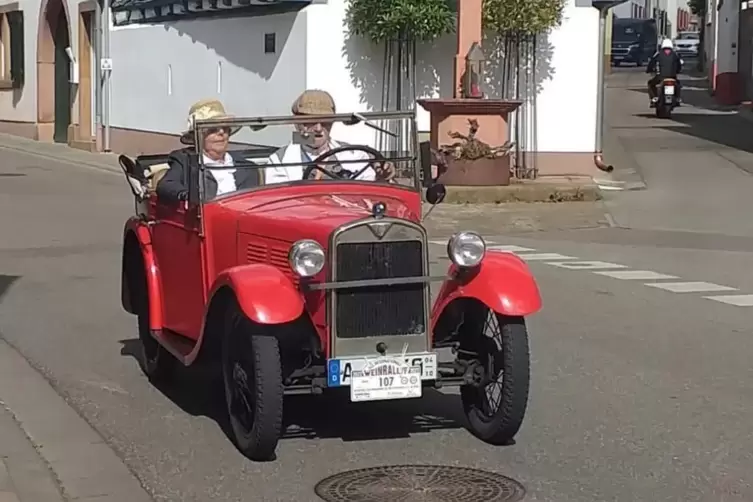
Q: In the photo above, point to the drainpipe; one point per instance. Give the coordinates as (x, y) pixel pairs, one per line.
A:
(598, 156)
(106, 75)
(98, 74)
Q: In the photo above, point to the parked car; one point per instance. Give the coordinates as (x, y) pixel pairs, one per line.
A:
(317, 286)
(633, 40)
(687, 44)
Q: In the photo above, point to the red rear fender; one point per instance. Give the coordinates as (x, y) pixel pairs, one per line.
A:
(503, 282)
(139, 265)
(264, 293)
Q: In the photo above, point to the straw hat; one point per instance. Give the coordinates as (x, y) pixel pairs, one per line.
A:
(314, 102)
(204, 110)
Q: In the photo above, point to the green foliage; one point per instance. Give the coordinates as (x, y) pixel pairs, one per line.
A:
(522, 17)
(697, 7)
(382, 20)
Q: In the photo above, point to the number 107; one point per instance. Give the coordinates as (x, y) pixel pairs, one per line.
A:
(386, 381)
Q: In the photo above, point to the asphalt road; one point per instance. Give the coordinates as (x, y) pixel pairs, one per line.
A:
(638, 393)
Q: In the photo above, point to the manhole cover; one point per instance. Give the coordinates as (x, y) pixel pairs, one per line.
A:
(427, 483)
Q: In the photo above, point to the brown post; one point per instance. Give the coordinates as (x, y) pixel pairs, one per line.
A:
(469, 31)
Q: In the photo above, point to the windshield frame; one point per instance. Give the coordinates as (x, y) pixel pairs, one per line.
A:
(258, 123)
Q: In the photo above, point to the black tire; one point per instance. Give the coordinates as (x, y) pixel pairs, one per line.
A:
(156, 362)
(511, 360)
(663, 111)
(254, 409)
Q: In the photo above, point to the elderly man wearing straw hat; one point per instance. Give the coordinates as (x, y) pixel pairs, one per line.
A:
(220, 176)
(317, 141)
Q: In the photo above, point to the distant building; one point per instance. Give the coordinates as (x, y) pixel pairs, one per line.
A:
(255, 56)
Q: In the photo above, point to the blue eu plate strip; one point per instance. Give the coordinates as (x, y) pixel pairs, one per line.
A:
(333, 373)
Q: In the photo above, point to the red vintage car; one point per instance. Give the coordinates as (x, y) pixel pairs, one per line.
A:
(315, 285)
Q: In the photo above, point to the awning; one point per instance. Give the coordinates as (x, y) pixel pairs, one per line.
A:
(152, 11)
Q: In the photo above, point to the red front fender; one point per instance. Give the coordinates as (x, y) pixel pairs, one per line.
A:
(264, 293)
(503, 282)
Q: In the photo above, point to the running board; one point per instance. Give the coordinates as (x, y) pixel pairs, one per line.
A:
(178, 345)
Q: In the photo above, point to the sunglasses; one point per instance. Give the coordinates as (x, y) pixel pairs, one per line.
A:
(215, 130)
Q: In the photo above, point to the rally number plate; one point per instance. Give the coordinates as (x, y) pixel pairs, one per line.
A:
(386, 384)
(379, 378)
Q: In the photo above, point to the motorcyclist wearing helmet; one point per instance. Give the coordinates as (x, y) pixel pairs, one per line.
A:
(665, 63)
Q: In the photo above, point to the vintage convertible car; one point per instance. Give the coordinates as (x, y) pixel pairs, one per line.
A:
(314, 286)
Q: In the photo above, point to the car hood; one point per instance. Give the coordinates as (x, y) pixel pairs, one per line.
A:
(314, 216)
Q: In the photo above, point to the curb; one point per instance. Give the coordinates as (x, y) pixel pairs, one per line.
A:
(84, 465)
(620, 185)
(61, 153)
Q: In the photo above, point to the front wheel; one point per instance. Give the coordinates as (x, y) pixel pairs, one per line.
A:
(496, 405)
(252, 375)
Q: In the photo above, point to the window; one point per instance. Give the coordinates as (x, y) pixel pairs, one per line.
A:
(11, 49)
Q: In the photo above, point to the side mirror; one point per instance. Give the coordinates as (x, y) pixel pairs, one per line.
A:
(435, 193)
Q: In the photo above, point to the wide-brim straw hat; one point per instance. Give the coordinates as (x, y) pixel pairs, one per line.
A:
(204, 110)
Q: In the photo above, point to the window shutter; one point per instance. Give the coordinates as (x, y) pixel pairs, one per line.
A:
(16, 25)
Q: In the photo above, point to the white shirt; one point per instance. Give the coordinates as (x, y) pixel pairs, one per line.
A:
(225, 177)
(294, 153)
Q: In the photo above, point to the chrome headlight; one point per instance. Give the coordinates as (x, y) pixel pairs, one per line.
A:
(306, 258)
(466, 249)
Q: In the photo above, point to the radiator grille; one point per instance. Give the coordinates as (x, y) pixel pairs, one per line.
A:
(381, 310)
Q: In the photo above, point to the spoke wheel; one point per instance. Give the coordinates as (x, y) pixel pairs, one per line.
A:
(496, 405)
(252, 379)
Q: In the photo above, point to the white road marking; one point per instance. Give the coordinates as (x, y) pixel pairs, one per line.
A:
(736, 300)
(636, 275)
(546, 257)
(509, 248)
(586, 265)
(690, 287)
(443, 242)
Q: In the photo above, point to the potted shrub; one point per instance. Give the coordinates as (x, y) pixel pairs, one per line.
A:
(470, 161)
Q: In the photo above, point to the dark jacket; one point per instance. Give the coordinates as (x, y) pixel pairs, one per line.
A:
(174, 186)
(665, 63)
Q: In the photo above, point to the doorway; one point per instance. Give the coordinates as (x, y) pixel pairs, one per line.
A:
(62, 84)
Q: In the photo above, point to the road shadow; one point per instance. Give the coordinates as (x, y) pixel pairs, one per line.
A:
(199, 392)
(728, 130)
(6, 281)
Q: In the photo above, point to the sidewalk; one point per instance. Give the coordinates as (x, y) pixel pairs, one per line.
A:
(24, 477)
(46, 448)
(60, 152)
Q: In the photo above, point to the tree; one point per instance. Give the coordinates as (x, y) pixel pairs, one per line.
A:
(386, 20)
(522, 17)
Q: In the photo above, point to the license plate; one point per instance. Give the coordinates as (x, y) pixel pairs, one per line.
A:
(367, 370)
(669, 90)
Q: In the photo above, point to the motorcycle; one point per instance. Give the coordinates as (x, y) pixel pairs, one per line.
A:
(667, 98)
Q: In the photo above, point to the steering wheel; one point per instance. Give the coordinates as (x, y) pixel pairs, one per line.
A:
(345, 174)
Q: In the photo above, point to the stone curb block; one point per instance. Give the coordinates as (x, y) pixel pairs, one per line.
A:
(85, 466)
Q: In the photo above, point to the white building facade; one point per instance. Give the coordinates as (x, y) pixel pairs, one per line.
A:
(257, 61)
